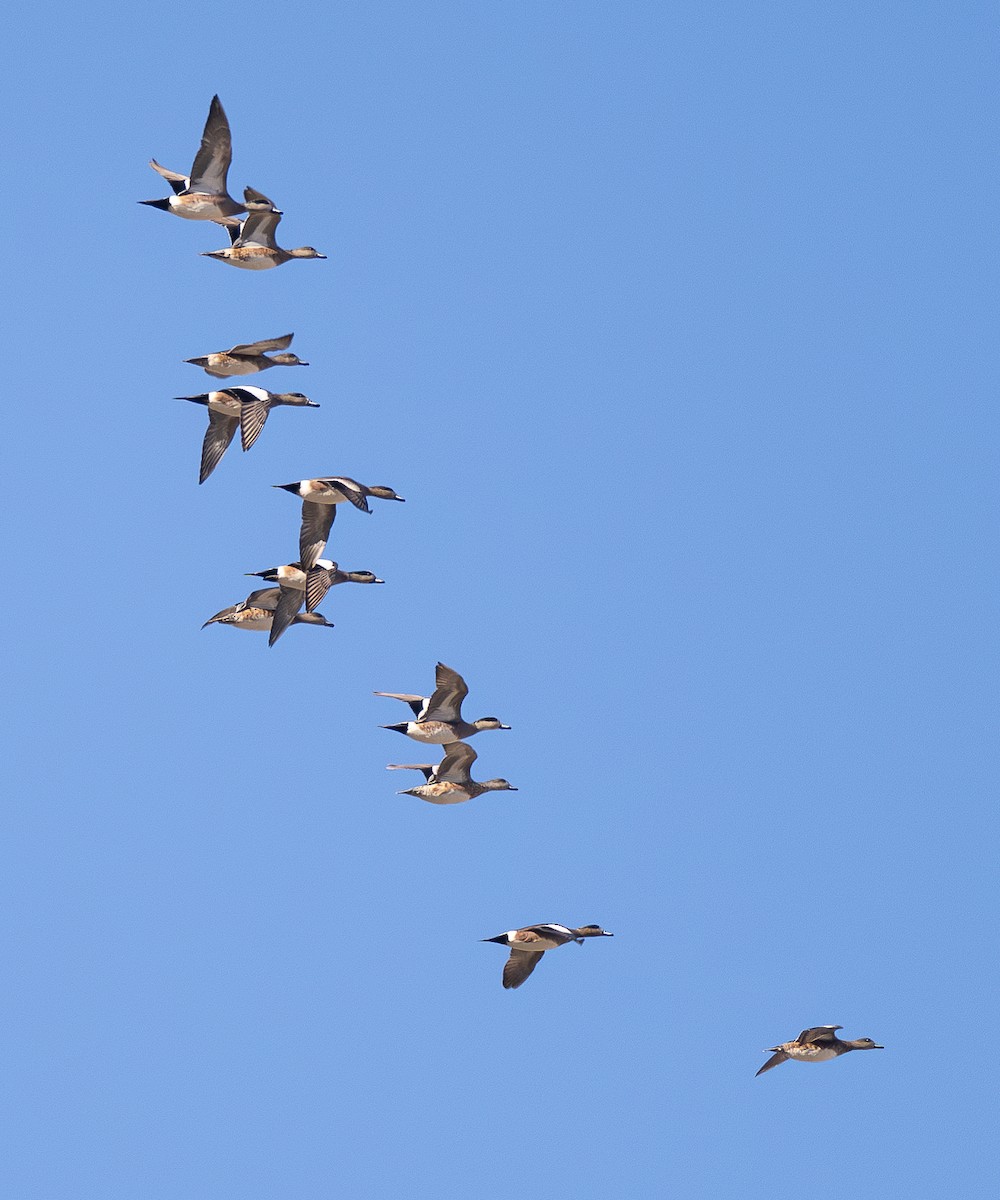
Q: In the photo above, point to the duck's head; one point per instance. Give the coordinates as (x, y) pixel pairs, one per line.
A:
(304, 252)
(586, 931)
(312, 618)
(364, 577)
(489, 723)
(866, 1044)
(499, 785)
(294, 398)
(384, 493)
(285, 360)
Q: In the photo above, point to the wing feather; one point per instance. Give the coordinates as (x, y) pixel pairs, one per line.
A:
(219, 434)
(259, 229)
(350, 489)
(454, 767)
(177, 181)
(253, 414)
(211, 163)
(289, 603)
(318, 583)
(519, 966)
(449, 691)
(251, 348)
(417, 703)
(817, 1034)
(317, 521)
(775, 1060)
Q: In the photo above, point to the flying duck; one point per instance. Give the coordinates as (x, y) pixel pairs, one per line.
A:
(257, 612)
(248, 358)
(297, 585)
(449, 782)
(527, 946)
(319, 497)
(245, 408)
(438, 718)
(202, 195)
(253, 246)
(818, 1044)
(317, 581)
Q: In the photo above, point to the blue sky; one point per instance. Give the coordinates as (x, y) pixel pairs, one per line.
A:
(675, 326)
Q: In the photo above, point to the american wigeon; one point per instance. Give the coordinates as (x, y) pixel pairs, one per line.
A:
(243, 408)
(319, 499)
(527, 945)
(257, 612)
(316, 581)
(450, 782)
(438, 718)
(248, 358)
(202, 195)
(818, 1044)
(253, 246)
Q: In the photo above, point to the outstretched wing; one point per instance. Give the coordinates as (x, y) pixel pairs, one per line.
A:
(818, 1034)
(251, 348)
(317, 521)
(317, 585)
(289, 603)
(211, 163)
(266, 598)
(177, 181)
(425, 768)
(417, 703)
(219, 434)
(449, 692)
(253, 414)
(775, 1060)
(350, 489)
(258, 230)
(519, 966)
(454, 767)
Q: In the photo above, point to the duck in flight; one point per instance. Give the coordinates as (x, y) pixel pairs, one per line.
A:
(202, 195)
(450, 782)
(317, 581)
(438, 718)
(297, 585)
(257, 612)
(253, 240)
(319, 499)
(818, 1044)
(527, 946)
(243, 408)
(248, 358)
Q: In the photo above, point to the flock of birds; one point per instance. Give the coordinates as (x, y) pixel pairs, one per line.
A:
(437, 719)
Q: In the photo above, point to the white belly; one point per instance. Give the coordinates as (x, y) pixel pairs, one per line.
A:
(257, 263)
(443, 793)
(431, 734)
(813, 1054)
(261, 623)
